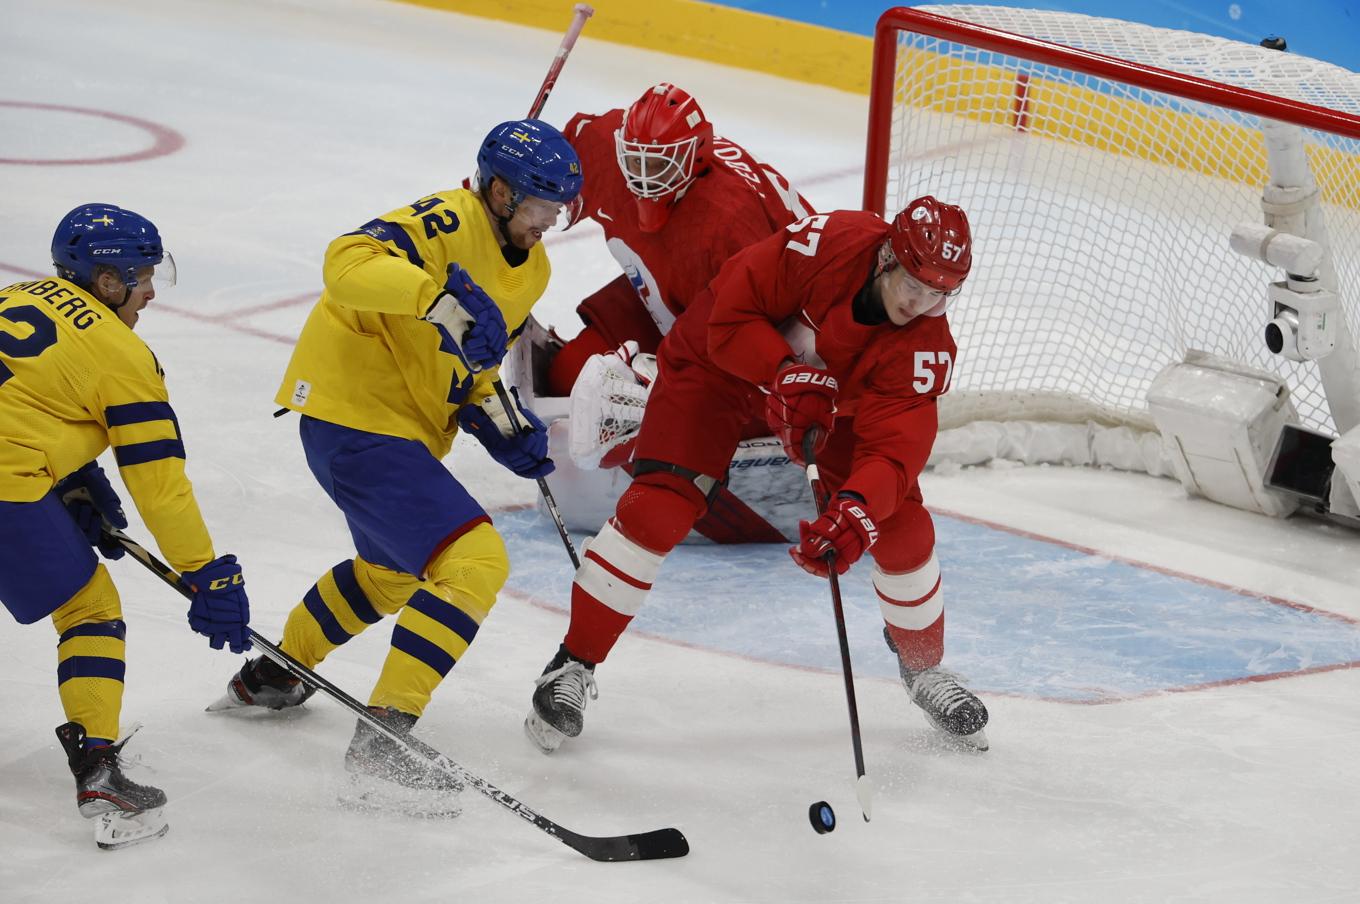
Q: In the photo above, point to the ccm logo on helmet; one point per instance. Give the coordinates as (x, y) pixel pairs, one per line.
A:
(810, 377)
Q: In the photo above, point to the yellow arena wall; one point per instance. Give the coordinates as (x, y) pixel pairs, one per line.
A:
(704, 31)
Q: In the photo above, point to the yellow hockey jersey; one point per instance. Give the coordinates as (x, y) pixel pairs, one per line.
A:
(74, 380)
(365, 359)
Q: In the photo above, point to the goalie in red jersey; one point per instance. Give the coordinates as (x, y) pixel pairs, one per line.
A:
(675, 201)
(837, 325)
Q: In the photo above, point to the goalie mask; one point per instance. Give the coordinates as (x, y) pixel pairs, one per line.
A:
(662, 147)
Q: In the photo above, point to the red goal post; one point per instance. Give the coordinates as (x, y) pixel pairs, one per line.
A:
(1103, 165)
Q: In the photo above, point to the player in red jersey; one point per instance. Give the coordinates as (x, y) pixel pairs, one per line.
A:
(675, 202)
(835, 324)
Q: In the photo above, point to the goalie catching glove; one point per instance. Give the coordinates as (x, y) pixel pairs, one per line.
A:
(469, 320)
(801, 398)
(845, 530)
(525, 453)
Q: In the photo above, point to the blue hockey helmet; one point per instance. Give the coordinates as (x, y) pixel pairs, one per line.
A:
(533, 158)
(104, 235)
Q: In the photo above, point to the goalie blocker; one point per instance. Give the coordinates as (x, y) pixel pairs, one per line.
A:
(589, 433)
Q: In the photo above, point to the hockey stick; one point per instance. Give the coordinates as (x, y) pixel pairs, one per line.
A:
(508, 404)
(659, 844)
(864, 788)
(580, 14)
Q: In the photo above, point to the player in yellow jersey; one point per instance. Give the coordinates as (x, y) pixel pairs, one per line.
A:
(400, 353)
(75, 380)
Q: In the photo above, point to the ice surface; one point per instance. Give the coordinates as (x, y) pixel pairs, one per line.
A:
(1194, 779)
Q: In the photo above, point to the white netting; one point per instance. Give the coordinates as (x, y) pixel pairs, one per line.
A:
(607, 401)
(1101, 210)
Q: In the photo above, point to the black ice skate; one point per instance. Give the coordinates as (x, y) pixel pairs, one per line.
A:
(262, 682)
(949, 705)
(560, 701)
(128, 813)
(385, 776)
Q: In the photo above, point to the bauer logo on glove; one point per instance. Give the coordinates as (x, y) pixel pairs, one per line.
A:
(802, 398)
(794, 376)
(840, 536)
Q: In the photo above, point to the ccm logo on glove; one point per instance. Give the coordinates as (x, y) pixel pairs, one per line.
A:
(224, 583)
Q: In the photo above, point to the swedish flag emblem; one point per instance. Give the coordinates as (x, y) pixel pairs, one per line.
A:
(521, 136)
(105, 220)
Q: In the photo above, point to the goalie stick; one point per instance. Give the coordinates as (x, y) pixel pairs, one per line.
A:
(864, 788)
(658, 844)
(580, 14)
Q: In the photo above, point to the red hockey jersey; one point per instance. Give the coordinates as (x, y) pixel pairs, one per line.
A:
(739, 200)
(791, 296)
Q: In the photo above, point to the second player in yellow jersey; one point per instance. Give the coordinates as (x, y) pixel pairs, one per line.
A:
(399, 354)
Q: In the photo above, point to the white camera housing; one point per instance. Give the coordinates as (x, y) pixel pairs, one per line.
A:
(1304, 315)
(1290, 253)
(1303, 324)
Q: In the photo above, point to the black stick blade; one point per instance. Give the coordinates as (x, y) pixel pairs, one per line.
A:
(661, 844)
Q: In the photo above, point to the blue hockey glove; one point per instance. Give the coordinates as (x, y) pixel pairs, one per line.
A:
(90, 499)
(525, 453)
(220, 610)
(469, 321)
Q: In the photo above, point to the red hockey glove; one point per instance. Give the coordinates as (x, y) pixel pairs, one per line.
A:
(801, 398)
(844, 529)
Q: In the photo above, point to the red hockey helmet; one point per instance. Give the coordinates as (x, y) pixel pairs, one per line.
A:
(663, 145)
(932, 241)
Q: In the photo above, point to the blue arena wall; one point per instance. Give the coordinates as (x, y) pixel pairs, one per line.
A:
(1323, 29)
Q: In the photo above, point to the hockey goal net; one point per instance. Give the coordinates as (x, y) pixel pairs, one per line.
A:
(1103, 165)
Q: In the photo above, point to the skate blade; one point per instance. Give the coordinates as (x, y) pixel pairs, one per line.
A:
(366, 794)
(973, 743)
(224, 703)
(976, 741)
(115, 831)
(546, 738)
(230, 703)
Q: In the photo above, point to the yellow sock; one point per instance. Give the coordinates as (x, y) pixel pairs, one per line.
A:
(337, 608)
(91, 656)
(440, 617)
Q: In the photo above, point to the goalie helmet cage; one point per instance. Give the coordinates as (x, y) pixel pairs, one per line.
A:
(1103, 165)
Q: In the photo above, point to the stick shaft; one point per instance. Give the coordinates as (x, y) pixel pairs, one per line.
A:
(654, 845)
(518, 426)
(581, 13)
(814, 481)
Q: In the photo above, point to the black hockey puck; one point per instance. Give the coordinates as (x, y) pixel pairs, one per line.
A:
(822, 817)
